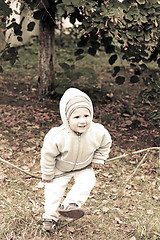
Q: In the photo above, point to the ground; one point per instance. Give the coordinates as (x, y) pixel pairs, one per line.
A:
(115, 210)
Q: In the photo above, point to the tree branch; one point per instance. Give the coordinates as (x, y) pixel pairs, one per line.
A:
(109, 160)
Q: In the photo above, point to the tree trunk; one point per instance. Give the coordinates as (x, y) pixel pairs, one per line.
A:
(46, 54)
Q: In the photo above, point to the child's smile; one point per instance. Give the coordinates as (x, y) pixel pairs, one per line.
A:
(80, 120)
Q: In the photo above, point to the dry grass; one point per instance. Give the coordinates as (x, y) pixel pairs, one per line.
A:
(110, 213)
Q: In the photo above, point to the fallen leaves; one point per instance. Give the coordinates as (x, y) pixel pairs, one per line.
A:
(133, 238)
(117, 220)
(39, 185)
(24, 123)
(28, 149)
(3, 176)
(71, 229)
(105, 209)
(156, 198)
(150, 212)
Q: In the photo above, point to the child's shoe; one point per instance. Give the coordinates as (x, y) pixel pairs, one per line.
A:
(49, 225)
(71, 211)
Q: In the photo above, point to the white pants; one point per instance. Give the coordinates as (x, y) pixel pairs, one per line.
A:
(79, 193)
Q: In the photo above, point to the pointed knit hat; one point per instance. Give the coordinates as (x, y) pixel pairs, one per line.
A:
(77, 102)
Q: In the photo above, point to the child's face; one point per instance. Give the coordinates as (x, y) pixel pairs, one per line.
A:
(80, 120)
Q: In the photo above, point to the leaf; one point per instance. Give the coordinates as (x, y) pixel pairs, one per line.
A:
(40, 185)
(30, 26)
(20, 39)
(71, 229)
(60, 90)
(112, 59)
(134, 79)
(95, 44)
(80, 57)
(110, 49)
(117, 69)
(120, 80)
(10, 55)
(37, 15)
(129, 17)
(92, 51)
(143, 66)
(2, 175)
(155, 197)
(147, 36)
(60, 10)
(137, 71)
(79, 52)
(118, 220)
(150, 212)
(17, 29)
(131, 34)
(5, 10)
(76, 2)
(133, 238)
(72, 18)
(67, 2)
(158, 61)
(80, 17)
(83, 42)
(28, 149)
(69, 9)
(1, 69)
(128, 122)
(105, 209)
(141, 1)
(65, 66)
(106, 41)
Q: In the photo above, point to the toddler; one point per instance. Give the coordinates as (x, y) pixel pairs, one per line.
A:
(75, 148)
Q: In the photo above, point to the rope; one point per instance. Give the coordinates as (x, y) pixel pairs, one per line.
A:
(129, 154)
(34, 176)
(66, 173)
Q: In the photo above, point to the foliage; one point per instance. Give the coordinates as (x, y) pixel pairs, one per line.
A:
(69, 71)
(133, 24)
(126, 29)
(130, 28)
(4, 9)
(10, 54)
(150, 94)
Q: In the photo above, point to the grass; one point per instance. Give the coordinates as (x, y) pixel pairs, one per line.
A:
(110, 213)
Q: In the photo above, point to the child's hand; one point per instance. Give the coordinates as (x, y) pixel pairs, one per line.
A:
(96, 165)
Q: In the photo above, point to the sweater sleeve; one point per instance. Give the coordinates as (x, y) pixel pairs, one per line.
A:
(102, 153)
(49, 153)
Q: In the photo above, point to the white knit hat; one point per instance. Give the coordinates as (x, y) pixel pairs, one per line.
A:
(77, 102)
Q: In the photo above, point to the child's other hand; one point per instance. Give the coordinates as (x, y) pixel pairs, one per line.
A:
(96, 165)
